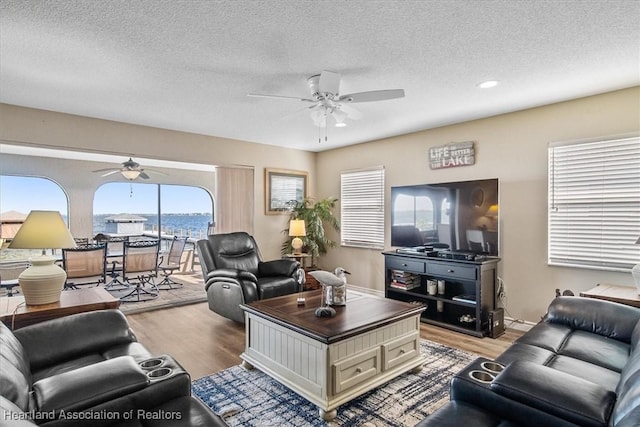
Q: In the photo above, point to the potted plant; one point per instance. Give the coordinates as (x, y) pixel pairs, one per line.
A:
(315, 215)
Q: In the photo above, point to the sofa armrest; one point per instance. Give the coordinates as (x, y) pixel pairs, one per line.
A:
(593, 315)
(90, 385)
(278, 267)
(61, 339)
(556, 393)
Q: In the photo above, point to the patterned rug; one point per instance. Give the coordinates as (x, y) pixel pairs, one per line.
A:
(251, 398)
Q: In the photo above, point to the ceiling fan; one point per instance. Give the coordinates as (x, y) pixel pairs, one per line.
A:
(326, 100)
(130, 170)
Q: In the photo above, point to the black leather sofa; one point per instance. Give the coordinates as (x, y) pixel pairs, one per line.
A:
(580, 366)
(235, 274)
(88, 369)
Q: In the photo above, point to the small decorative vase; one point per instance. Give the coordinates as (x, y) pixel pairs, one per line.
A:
(635, 272)
(42, 282)
(336, 295)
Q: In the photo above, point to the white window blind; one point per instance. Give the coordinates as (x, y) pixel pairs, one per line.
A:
(362, 208)
(594, 204)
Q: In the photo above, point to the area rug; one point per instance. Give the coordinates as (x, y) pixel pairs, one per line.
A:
(252, 398)
(191, 292)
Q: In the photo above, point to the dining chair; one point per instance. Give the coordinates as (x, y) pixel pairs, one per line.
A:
(9, 272)
(172, 262)
(140, 269)
(115, 252)
(85, 265)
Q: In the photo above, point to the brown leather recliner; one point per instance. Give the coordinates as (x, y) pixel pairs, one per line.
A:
(234, 274)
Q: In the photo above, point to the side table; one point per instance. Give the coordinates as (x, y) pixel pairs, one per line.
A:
(627, 295)
(16, 314)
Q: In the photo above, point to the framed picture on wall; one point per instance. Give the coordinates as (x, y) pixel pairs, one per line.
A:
(283, 187)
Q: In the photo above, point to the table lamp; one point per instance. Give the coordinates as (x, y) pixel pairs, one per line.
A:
(296, 230)
(43, 281)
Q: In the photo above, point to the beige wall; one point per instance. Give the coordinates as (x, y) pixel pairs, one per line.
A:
(56, 130)
(513, 148)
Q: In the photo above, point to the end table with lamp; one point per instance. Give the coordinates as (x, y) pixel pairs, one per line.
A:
(43, 281)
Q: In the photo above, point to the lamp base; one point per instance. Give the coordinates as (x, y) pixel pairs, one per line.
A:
(296, 245)
(635, 272)
(42, 282)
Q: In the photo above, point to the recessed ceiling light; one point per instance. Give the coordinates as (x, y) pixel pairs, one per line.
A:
(341, 125)
(488, 84)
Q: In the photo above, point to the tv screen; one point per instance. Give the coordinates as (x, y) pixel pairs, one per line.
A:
(458, 216)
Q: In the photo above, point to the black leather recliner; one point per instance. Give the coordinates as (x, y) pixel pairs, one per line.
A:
(235, 274)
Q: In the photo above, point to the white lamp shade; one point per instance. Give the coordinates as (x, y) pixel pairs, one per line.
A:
(297, 228)
(43, 230)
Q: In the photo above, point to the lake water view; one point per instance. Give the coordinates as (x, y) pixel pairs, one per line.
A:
(191, 225)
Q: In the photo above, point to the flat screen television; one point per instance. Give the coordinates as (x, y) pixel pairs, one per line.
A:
(458, 216)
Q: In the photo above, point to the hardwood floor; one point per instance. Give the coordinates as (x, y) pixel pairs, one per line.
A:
(204, 342)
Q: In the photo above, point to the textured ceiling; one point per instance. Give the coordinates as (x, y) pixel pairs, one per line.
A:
(188, 65)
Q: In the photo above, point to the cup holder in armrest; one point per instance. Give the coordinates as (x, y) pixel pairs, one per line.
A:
(151, 363)
(159, 373)
(481, 376)
(493, 367)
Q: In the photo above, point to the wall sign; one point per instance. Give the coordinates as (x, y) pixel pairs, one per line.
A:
(452, 155)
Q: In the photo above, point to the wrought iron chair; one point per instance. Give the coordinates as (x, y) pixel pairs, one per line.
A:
(85, 265)
(171, 263)
(9, 272)
(211, 228)
(115, 252)
(139, 269)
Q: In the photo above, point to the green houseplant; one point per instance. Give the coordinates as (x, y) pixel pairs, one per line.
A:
(315, 215)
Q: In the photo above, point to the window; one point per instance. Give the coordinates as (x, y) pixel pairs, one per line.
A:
(19, 195)
(362, 208)
(594, 204)
(140, 208)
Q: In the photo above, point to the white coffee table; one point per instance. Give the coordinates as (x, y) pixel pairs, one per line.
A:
(331, 361)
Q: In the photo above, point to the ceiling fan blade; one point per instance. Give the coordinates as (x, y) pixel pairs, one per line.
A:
(262, 95)
(374, 95)
(106, 170)
(143, 175)
(352, 113)
(329, 82)
(297, 112)
(111, 173)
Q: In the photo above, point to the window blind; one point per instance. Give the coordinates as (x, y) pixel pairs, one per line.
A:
(362, 208)
(594, 204)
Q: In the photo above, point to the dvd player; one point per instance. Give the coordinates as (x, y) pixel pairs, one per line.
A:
(459, 255)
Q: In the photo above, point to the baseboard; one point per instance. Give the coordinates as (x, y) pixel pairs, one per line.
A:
(517, 324)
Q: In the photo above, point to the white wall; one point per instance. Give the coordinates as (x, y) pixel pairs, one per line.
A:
(513, 148)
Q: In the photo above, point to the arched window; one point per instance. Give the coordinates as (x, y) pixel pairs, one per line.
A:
(19, 195)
